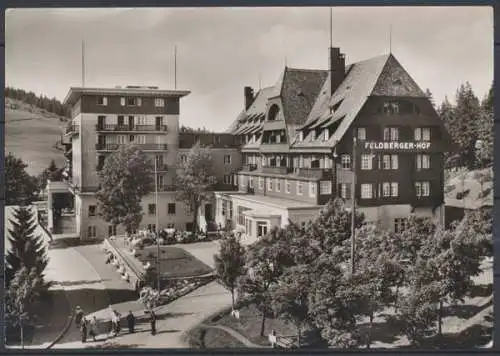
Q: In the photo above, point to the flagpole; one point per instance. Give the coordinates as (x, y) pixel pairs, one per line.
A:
(157, 227)
(353, 210)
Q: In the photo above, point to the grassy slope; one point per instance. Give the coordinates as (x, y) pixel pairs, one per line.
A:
(31, 135)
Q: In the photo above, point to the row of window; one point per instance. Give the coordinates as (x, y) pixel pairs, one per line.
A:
(171, 209)
(387, 190)
(130, 101)
(386, 162)
(140, 120)
(275, 184)
(389, 134)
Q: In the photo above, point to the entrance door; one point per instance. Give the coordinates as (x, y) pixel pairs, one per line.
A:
(131, 122)
(208, 212)
(121, 120)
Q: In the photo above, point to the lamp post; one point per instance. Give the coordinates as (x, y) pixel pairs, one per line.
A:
(157, 228)
(353, 210)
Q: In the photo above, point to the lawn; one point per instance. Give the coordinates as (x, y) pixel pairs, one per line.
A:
(249, 325)
(201, 338)
(31, 135)
(174, 261)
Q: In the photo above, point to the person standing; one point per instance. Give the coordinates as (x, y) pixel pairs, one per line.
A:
(131, 322)
(83, 330)
(152, 321)
(78, 316)
(93, 328)
(118, 317)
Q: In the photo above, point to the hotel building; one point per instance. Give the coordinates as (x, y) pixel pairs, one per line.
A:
(104, 119)
(297, 143)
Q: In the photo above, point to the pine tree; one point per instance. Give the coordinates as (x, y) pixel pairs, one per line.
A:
(463, 127)
(485, 131)
(27, 249)
(429, 95)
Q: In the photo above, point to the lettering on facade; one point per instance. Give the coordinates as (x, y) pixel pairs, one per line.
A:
(403, 146)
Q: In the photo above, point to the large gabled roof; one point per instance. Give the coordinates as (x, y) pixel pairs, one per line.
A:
(257, 110)
(348, 99)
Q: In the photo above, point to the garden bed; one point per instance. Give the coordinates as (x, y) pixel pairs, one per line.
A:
(202, 338)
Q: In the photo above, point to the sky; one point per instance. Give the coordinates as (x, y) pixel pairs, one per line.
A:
(221, 50)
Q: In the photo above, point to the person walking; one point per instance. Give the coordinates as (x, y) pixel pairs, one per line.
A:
(152, 320)
(93, 328)
(131, 322)
(83, 330)
(78, 316)
(118, 317)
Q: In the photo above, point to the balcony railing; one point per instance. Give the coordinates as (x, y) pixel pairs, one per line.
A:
(277, 170)
(143, 147)
(249, 167)
(72, 130)
(134, 128)
(318, 173)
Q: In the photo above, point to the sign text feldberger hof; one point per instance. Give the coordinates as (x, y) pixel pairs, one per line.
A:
(397, 145)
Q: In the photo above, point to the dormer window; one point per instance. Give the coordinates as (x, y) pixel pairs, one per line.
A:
(326, 135)
(102, 100)
(313, 135)
(301, 136)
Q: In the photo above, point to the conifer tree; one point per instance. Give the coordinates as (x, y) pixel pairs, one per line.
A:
(27, 249)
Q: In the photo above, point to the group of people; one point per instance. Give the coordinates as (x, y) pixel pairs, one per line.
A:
(88, 325)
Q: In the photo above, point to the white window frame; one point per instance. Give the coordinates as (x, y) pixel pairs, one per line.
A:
(422, 134)
(287, 186)
(300, 188)
(391, 134)
(138, 102)
(394, 189)
(366, 162)
(366, 191)
(423, 161)
(345, 162)
(386, 190)
(123, 101)
(104, 101)
(277, 184)
(159, 102)
(227, 159)
(422, 189)
(344, 190)
(312, 189)
(261, 183)
(269, 184)
(361, 133)
(325, 187)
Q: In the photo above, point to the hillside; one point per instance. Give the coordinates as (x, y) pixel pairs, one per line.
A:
(470, 189)
(32, 133)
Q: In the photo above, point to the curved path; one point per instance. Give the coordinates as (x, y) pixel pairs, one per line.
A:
(234, 334)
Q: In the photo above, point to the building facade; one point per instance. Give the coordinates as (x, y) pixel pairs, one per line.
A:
(306, 140)
(104, 119)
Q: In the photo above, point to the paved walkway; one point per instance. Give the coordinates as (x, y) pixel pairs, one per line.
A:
(173, 320)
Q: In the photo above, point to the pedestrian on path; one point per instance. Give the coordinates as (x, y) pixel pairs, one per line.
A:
(118, 319)
(78, 316)
(93, 328)
(152, 320)
(83, 330)
(131, 322)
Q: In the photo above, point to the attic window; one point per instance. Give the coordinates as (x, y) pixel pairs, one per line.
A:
(301, 136)
(397, 81)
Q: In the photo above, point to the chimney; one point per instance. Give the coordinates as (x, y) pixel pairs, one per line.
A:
(248, 97)
(337, 68)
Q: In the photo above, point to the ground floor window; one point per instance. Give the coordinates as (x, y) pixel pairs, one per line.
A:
(366, 191)
(151, 227)
(422, 189)
(325, 187)
(170, 226)
(248, 227)
(112, 230)
(92, 232)
(400, 224)
(261, 228)
(241, 217)
(189, 226)
(345, 190)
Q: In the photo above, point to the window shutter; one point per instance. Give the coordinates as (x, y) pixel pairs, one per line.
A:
(105, 101)
(122, 101)
(139, 101)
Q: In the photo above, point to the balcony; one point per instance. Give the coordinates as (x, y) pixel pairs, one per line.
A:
(277, 170)
(142, 147)
(248, 167)
(72, 130)
(318, 173)
(130, 128)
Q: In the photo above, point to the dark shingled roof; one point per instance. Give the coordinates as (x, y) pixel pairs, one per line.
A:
(256, 110)
(299, 91)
